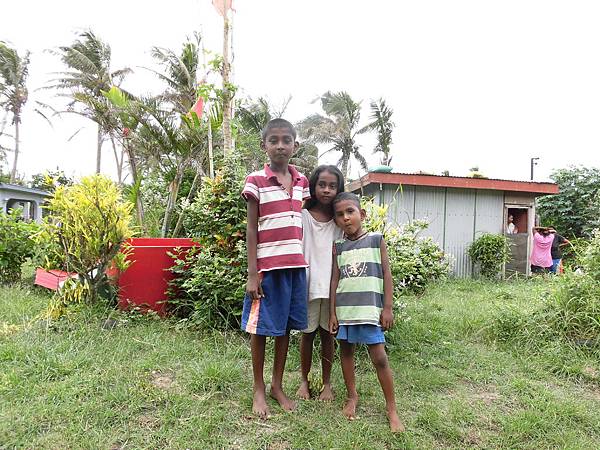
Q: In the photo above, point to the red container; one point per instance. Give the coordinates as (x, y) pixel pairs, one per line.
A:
(144, 283)
(52, 279)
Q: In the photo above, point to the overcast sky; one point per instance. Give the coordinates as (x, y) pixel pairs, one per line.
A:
(486, 83)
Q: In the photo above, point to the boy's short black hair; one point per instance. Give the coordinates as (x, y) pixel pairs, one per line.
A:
(346, 196)
(277, 123)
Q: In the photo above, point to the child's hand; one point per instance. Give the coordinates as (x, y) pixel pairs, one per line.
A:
(386, 318)
(253, 287)
(333, 324)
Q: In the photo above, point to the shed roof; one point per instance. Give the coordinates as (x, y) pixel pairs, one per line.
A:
(414, 179)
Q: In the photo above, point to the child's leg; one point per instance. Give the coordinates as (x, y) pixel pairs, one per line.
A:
(347, 356)
(384, 374)
(306, 351)
(259, 401)
(281, 349)
(326, 363)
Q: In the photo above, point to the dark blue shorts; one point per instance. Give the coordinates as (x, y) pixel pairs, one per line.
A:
(283, 307)
(361, 334)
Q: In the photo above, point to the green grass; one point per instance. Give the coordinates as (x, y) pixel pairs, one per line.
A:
(149, 383)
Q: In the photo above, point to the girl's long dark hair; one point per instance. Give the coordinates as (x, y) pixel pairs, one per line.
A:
(314, 177)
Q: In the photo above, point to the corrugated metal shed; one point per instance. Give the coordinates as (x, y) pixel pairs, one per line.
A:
(457, 212)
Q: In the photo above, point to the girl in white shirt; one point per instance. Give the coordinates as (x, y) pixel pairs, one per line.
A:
(320, 231)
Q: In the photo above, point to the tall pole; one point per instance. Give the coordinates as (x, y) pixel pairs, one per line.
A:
(533, 163)
(227, 94)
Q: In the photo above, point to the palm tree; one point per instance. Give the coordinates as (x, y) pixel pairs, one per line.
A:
(381, 116)
(13, 91)
(89, 73)
(339, 128)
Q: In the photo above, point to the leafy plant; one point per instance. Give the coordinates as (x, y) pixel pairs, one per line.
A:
(90, 221)
(575, 210)
(16, 244)
(415, 261)
(210, 280)
(490, 251)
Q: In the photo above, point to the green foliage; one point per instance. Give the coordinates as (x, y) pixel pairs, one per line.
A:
(575, 210)
(415, 261)
(16, 244)
(48, 181)
(570, 309)
(491, 252)
(90, 221)
(210, 281)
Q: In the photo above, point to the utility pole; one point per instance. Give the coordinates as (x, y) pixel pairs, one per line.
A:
(533, 163)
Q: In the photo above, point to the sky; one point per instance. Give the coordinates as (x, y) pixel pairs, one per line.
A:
(471, 82)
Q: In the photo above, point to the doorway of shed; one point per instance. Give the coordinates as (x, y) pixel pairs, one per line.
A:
(519, 242)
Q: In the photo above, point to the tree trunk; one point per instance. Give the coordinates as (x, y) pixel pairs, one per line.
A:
(171, 201)
(227, 94)
(139, 204)
(99, 150)
(345, 168)
(13, 173)
(211, 159)
(190, 195)
(118, 162)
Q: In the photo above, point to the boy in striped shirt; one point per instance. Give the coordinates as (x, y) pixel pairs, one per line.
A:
(275, 300)
(361, 295)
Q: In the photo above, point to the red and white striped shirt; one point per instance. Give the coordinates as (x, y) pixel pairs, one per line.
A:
(279, 244)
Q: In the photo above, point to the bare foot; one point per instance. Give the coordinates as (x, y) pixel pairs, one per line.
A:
(303, 391)
(326, 393)
(395, 424)
(350, 407)
(282, 399)
(259, 404)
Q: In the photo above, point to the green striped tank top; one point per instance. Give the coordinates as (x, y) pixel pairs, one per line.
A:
(359, 295)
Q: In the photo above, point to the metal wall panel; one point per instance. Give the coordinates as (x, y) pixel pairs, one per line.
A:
(430, 206)
(460, 225)
(489, 212)
(402, 203)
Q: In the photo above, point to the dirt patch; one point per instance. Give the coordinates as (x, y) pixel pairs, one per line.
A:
(279, 446)
(591, 372)
(487, 397)
(160, 380)
(147, 421)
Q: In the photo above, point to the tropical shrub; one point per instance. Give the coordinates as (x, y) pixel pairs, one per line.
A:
(490, 252)
(210, 280)
(575, 210)
(90, 221)
(570, 309)
(415, 261)
(16, 244)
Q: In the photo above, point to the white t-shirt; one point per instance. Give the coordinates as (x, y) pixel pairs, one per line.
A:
(317, 245)
(510, 228)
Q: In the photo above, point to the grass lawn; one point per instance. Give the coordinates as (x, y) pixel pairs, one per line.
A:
(148, 383)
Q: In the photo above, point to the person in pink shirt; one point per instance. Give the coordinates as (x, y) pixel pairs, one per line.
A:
(541, 257)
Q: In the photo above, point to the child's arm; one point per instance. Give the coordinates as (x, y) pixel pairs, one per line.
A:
(335, 278)
(253, 287)
(387, 315)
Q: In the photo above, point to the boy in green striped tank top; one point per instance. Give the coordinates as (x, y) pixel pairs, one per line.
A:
(361, 301)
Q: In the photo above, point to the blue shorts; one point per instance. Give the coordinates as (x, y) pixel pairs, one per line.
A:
(361, 334)
(283, 307)
(555, 265)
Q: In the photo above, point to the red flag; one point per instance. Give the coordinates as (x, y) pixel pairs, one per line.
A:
(222, 6)
(198, 107)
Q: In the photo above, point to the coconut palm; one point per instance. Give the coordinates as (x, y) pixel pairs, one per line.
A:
(13, 91)
(89, 73)
(381, 116)
(339, 128)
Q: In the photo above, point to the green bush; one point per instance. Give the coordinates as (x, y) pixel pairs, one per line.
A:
(210, 281)
(570, 309)
(16, 244)
(491, 252)
(89, 222)
(415, 261)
